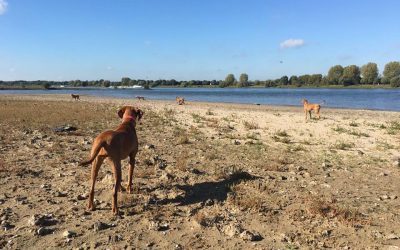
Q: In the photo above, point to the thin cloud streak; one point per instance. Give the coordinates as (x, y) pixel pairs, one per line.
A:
(292, 43)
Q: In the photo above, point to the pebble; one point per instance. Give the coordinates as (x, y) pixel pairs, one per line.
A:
(42, 220)
(98, 226)
(69, 234)
(81, 197)
(149, 146)
(249, 236)
(236, 142)
(392, 237)
(44, 231)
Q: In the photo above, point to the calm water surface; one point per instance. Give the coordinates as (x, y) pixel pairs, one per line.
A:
(376, 99)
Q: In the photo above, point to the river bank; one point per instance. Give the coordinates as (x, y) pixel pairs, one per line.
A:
(208, 175)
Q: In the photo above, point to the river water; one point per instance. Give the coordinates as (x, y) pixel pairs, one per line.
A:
(374, 99)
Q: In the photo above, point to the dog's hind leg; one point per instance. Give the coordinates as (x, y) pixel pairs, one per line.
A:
(130, 172)
(117, 185)
(95, 170)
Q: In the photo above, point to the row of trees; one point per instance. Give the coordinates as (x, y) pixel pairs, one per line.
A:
(337, 75)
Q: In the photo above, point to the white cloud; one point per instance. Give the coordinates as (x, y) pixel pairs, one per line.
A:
(292, 43)
(3, 6)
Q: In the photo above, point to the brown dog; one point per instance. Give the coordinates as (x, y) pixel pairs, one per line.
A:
(140, 97)
(308, 107)
(115, 145)
(180, 100)
(75, 97)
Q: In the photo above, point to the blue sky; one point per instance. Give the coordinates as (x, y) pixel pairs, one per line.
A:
(184, 40)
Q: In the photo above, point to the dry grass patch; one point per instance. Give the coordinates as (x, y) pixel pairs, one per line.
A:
(393, 128)
(245, 199)
(250, 125)
(329, 208)
(281, 136)
(182, 160)
(343, 145)
(210, 112)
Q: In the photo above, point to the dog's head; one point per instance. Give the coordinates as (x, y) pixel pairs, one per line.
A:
(130, 111)
(304, 101)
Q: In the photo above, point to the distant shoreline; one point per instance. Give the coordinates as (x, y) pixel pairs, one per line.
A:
(39, 87)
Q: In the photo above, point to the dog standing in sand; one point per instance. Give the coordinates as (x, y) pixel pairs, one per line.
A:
(308, 107)
(140, 97)
(115, 145)
(180, 100)
(75, 97)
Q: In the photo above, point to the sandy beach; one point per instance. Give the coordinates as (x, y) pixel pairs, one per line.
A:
(208, 175)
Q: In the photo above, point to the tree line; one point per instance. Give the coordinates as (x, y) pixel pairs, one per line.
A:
(337, 75)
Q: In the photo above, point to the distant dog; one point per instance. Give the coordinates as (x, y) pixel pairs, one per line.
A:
(308, 107)
(140, 97)
(75, 97)
(115, 145)
(180, 100)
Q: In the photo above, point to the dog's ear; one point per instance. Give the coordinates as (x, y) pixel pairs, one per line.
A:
(121, 112)
(139, 114)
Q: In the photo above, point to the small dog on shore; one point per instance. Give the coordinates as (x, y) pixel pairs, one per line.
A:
(75, 97)
(140, 97)
(308, 107)
(180, 100)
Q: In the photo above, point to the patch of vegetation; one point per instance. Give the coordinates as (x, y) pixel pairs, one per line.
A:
(210, 112)
(393, 127)
(197, 118)
(281, 136)
(246, 200)
(282, 133)
(295, 148)
(329, 208)
(358, 133)
(350, 132)
(250, 125)
(385, 145)
(252, 136)
(353, 124)
(180, 136)
(181, 161)
(343, 145)
(339, 129)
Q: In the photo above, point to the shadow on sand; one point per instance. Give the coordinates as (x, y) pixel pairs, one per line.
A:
(213, 190)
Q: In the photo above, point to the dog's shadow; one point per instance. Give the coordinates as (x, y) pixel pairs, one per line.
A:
(216, 191)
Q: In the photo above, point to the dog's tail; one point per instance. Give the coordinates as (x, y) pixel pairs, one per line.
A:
(95, 152)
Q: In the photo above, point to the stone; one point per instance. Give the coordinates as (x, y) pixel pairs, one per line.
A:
(249, 236)
(158, 226)
(236, 142)
(42, 220)
(42, 231)
(69, 234)
(326, 233)
(98, 226)
(81, 197)
(392, 237)
(232, 230)
(149, 146)
(162, 165)
(60, 194)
